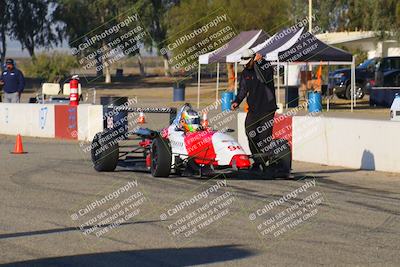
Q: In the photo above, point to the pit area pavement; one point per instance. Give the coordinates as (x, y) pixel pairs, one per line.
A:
(357, 224)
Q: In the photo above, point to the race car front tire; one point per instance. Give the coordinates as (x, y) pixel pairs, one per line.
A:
(160, 158)
(104, 152)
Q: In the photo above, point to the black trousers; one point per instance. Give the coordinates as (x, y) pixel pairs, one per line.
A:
(259, 132)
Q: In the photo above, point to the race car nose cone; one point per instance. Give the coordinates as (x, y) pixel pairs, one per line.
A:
(240, 161)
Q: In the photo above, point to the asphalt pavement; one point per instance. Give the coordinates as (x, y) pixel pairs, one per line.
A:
(56, 210)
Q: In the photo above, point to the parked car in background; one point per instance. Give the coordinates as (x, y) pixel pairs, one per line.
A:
(386, 72)
(392, 78)
(384, 91)
(339, 80)
(388, 79)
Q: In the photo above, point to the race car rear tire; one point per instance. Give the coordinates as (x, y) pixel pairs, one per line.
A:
(105, 152)
(282, 158)
(160, 158)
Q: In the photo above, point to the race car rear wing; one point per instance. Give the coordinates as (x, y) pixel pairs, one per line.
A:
(163, 110)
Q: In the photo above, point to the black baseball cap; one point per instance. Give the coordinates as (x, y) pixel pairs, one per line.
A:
(10, 61)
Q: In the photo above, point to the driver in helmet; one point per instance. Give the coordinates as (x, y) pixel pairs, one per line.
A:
(190, 121)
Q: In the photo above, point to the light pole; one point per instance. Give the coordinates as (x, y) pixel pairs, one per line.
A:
(310, 23)
(310, 15)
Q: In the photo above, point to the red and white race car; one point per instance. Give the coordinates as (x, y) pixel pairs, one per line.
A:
(174, 150)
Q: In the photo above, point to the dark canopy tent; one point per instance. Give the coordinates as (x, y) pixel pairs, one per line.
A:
(230, 53)
(299, 46)
(243, 40)
(310, 48)
(296, 45)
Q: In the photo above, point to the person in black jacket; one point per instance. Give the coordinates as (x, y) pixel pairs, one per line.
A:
(257, 84)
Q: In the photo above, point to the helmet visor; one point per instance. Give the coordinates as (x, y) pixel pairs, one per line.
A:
(192, 120)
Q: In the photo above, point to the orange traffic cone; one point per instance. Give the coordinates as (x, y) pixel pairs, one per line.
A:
(204, 121)
(141, 119)
(18, 148)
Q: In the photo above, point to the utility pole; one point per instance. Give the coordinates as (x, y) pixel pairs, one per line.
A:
(310, 15)
(310, 23)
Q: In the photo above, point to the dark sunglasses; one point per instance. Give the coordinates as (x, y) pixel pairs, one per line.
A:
(246, 58)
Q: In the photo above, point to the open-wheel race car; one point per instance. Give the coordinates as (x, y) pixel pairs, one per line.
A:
(186, 147)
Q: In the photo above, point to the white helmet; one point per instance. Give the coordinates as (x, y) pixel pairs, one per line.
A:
(190, 120)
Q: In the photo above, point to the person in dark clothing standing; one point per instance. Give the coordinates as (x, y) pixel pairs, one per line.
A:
(257, 84)
(13, 82)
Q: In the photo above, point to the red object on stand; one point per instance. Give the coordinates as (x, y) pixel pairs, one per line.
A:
(73, 95)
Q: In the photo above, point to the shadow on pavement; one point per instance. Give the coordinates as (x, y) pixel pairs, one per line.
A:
(327, 171)
(232, 175)
(146, 257)
(249, 175)
(351, 188)
(60, 230)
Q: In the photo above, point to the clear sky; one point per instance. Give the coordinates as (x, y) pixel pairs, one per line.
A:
(14, 49)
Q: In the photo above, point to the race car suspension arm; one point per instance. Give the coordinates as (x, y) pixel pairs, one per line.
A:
(135, 150)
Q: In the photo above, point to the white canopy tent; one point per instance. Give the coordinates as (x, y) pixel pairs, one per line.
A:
(229, 53)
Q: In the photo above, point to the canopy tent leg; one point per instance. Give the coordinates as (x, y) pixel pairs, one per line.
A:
(354, 85)
(287, 85)
(278, 88)
(306, 92)
(216, 93)
(236, 71)
(327, 89)
(198, 87)
(353, 77)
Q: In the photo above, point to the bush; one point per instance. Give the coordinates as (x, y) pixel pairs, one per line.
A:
(51, 67)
